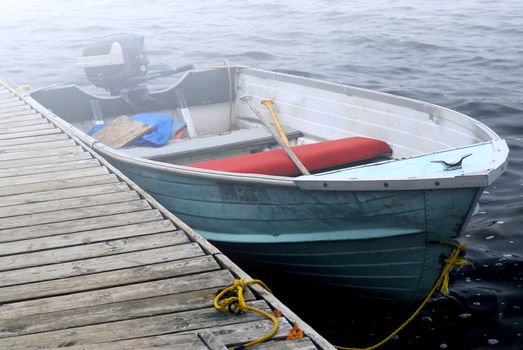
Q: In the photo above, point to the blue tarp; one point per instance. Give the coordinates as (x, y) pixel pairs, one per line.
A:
(161, 134)
(163, 128)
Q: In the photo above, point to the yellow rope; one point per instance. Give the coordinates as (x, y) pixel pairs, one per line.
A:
(23, 88)
(442, 284)
(231, 300)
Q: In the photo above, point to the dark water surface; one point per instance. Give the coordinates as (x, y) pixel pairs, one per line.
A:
(464, 54)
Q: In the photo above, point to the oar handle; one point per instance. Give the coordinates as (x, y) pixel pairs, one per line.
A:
(270, 106)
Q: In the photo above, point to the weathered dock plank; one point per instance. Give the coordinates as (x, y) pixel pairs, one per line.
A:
(20, 129)
(108, 279)
(26, 118)
(191, 341)
(37, 146)
(227, 335)
(116, 311)
(170, 341)
(8, 100)
(236, 334)
(30, 133)
(106, 248)
(99, 264)
(29, 154)
(18, 114)
(154, 325)
(54, 184)
(183, 284)
(302, 344)
(32, 139)
(28, 122)
(90, 237)
(88, 260)
(107, 219)
(8, 103)
(21, 107)
(61, 157)
(59, 175)
(49, 168)
(36, 197)
(69, 203)
(72, 214)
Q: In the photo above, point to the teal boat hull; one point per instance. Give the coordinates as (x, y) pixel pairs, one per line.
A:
(380, 244)
(397, 268)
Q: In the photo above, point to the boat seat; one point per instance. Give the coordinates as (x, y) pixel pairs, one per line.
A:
(248, 139)
(315, 157)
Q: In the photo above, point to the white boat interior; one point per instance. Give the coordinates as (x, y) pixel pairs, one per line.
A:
(430, 137)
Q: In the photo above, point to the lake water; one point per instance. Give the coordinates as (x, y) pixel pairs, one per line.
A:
(465, 55)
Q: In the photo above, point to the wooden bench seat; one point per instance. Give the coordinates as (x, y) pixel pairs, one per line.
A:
(237, 139)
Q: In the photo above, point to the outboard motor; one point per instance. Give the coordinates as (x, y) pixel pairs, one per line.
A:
(119, 64)
(116, 62)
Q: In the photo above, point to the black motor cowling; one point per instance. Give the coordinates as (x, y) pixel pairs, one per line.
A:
(116, 62)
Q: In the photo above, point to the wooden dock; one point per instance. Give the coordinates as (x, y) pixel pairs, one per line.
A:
(88, 260)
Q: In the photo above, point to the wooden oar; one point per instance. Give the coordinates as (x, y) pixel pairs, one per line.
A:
(270, 104)
(287, 149)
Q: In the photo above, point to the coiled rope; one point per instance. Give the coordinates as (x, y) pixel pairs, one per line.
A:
(231, 300)
(455, 260)
(23, 88)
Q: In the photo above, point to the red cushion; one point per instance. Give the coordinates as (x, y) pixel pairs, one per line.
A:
(315, 156)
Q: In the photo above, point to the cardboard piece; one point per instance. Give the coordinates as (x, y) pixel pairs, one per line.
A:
(121, 132)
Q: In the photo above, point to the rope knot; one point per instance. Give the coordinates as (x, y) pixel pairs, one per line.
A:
(455, 260)
(232, 300)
